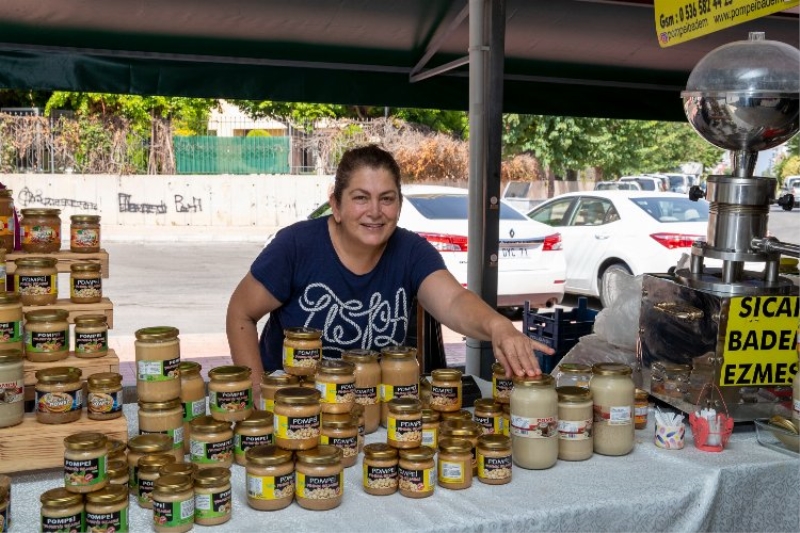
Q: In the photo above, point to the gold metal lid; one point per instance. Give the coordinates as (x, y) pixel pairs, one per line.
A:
(157, 334)
(399, 352)
(446, 374)
(279, 379)
(6, 192)
(87, 320)
(107, 379)
(573, 394)
(460, 428)
(429, 415)
(323, 454)
(85, 219)
(212, 477)
(117, 467)
(334, 366)
(455, 445)
(60, 497)
(178, 467)
(46, 315)
(257, 419)
(574, 368)
(38, 211)
(267, 455)
(229, 373)
(209, 424)
(150, 443)
(423, 453)
(497, 368)
(494, 441)
(455, 415)
(116, 447)
(42, 262)
(297, 396)
(360, 356)
(189, 368)
(611, 369)
(154, 461)
(10, 356)
(542, 381)
(160, 406)
(380, 450)
(173, 483)
(488, 404)
(9, 297)
(302, 333)
(109, 495)
(85, 267)
(347, 423)
(641, 394)
(85, 440)
(405, 405)
(58, 374)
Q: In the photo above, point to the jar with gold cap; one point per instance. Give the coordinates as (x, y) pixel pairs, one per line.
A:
(211, 443)
(344, 435)
(368, 381)
(212, 496)
(8, 226)
(36, 280)
(380, 469)
(149, 471)
(85, 462)
(489, 414)
(179, 467)
(446, 389)
(399, 376)
(270, 383)
(454, 464)
(104, 399)
(494, 459)
(84, 234)
(463, 429)
(269, 478)
(107, 510)
(11, 333)
(117, 449)
(641, 408)
(40, 230)
(297, 418)
(302, 351)
(158, 358)
(256, 430)
(319, 478)
(230, 392)
(463, 414)
(416, 472)
(501, 385)
(165, 418)
(613, 394)
(404, 423)
(506, 419)
(118, 473)
(573, 375)
(46, 335)
(193, 396)
(59, 395)
(141, 445)
(12, 388)
(336, 382)
(173, 504)
(85, 283)
(575, 418)
(62, 510)
(430, 428)
(91, 336)
(534, 421)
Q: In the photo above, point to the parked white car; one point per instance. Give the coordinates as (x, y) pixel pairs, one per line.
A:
(646, 183)
(634, 232)
(617, 186)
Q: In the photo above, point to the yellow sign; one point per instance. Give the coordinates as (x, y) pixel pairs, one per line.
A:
(760, 341)
(678, 21)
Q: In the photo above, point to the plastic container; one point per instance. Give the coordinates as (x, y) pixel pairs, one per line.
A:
(559, 329)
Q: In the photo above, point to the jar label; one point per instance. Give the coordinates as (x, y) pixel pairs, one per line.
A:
(319, 487)
(84, 237)
(270, 487)
(116, 521)
(614, 415)
(403, 430)
(336, 392)
(534, 428)
(490, 424)
(380, 477)
(64, 523)
(231, 401)
(36, 285)
(86, 288)
(293, 427)
(214, 505)
(211, 452)
(10, 331)
(304, 358)
(40, 234)
(430, 437)
(389, 392)
(59, 402)
(85, 473)
(494, 467)
(348, 445)
(173, 514)
(575, 429)
(451, 471)
(145, 490)
(46, 341)
(640, 414)
(158, 370)
(12, 391)
(242, 443)
(415, 480)
(192, 410)
(175, 433)
(367, 395)
(797, 408)
(267, 404)
(103, 403)
(501, 388)
(7, 226)
(446, 396)
(91, 342)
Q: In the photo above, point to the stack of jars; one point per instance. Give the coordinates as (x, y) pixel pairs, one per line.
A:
(59, 395)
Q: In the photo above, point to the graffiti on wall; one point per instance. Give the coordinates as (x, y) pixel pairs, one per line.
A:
(184, 206)
(26, 197)
(126, 206)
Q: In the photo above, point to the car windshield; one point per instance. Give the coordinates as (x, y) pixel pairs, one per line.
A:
(673, 209)
(676, 181)
(453, 207)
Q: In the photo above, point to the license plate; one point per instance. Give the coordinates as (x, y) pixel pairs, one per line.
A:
(514, 252)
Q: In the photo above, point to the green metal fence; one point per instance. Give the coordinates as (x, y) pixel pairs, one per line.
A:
(231, 155)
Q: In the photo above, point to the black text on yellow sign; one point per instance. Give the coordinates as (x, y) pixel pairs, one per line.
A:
(679, 21)
(760, 341)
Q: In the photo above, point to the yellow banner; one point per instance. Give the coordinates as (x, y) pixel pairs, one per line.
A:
(679, 21)
(760, 341)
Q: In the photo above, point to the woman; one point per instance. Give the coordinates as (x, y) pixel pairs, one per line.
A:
(354, 274)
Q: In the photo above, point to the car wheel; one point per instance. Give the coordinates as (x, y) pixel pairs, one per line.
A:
(604, 283)
(511, 313)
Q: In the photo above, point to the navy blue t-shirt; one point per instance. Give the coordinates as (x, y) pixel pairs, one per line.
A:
(301, 269)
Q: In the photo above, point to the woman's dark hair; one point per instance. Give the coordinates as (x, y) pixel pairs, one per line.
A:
(370, 156)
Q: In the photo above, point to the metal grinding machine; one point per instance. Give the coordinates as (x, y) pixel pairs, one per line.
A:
(731, 330)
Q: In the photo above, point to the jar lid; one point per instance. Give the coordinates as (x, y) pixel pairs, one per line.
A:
(257, 419)
(150, 443)
(541, 381)
(211, 477)
(267, 455)
(279, 379)
(405, 405)
(90, 320)
(46, 262)
(574, 368)
(460, 428)
(85, 440)
(488, 404)
(494, 441)
(455, 415)
(423, 453)
(573, 394)
(326, 417)
(446, 374)
(60, 497)
(455, 445)
(58, 374)
(156, 333)
(187, 368)
(641, 394)
(429, 415)
(116, 446)
(107, 379)
(117, 467)
(360, 356)
(10, 356)
(109, 495)
(334, 366)
(160, 406)
(229, 373)
(6, 192)
(209, 424)
(672, 367)
(611, 369)
(40, 212)
(347, 423)
(173, 483)
(323, 454)
(85, 267)
(46, 315)
(380, 450)
(178, 467)
(302, 333)
(398, 352)
(86, 219)
(497, 368)
(8, 297)
(154, 461)
(297, 396)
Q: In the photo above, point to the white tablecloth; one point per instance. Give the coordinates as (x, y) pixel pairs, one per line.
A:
(747, 487)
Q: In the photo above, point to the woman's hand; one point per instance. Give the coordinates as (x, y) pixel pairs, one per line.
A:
(515, 350)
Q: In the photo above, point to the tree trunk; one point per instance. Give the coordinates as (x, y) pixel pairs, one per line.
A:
(551, 182)
(598, 174)
(572, 175)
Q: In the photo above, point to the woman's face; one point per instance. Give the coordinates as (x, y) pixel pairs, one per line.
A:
(370, 207)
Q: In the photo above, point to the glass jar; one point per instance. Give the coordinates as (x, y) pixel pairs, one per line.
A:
(446, 389)
(573, 375)
(8, 227)
(494, 459)
(342, 434)
(501, 385)
(269, 478)
(11, 333)
(36, 280)
(62, 511)
(399, 376)
(173, 504)
(179, 467)
(336, 382)
(319, 480)
(46, 335)
(379, 469)
(230, 392)
(12, 388)
(297, 421)
(107, 510)
(640, 408)
(358, 418)
(118, 472)
(104, 399)
(454, 464)
(85, 462)
(40, 230)
(85, 283)
(575, 416)
(670, 379)
(459, 428)
(141, 445)
(158, 357)
(256, 430)
(506, 419)
(416, 472)
(149, 471)
(404, 423)
(193, 396)
(59, 395)
(425, 392)
(302, 351)
(5, 508)
(165, 418)
(463, 414)
(91, 336)
(84, 233)
(211, 443)
(117, 449)
(368, 380)
(613, 395)
(489, 414)
(212, 496)
(430, 428)
(534, 422)
(270, 383)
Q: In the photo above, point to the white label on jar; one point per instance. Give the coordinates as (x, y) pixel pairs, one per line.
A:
(158, 370)
(535, 428)
(12, 392)
(574, 429)
(640, 411)
(451, 471)
(192, 410)
(619, 415)
(429, 437)
(336, 392)
(319, 487)
(270, 487)
(389, 392)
